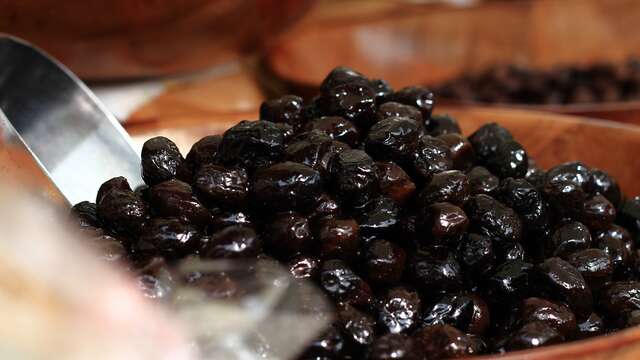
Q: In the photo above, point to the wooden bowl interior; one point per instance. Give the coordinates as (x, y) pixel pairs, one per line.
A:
(407, 43)
(550, 139)
(106, 40)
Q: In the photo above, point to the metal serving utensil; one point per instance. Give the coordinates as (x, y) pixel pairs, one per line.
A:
(76, 142)
(48, 113)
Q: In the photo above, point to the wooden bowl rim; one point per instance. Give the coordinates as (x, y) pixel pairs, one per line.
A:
(576, 108)
(529, 114)
(573, 349)
(576, 348)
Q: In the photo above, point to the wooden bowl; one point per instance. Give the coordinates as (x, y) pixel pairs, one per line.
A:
(102, 40)
(620, 111)
(549, 138)
(409, 44)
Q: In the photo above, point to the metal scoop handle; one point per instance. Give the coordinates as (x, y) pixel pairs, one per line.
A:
(77, 143)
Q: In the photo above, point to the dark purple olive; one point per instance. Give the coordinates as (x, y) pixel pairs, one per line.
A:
(116, 183)
(394, 347)
(325, 207)
(85, 215)
(399, 310)
(161, 161)
(169, 238)
(595, 266)
(481, 317)
(286, 186)
(221, 219)
(382, 89)
(233, 242)
(314, 149)
(420, 97)
(599, 213)
(251, 145)
(448, 186)
(491, 218)
(393, 139)
(432, 156)
(384, 262)
(219, 186)
(563, 281)
(303, 267)
(592, 325)
(339, 76)
(603, 184)
(510, 282)
(534, 334)
(621, 298)
(394, 109)
(204, 151)
(353, 101)
(342, 284)
(445, 341)
(618, 244)
(285, 109)
(443, 124)
(175, 199)
(337, 238)
(122, 212)
(446, 222)
(481, 181)
(394, 183)
(452, 309)
(435, 272)
(629, 215)
(337, 128)
(287, 234)
(569, 238)
(461, 151)
(354, 176)
(357, 327)
(551, 313)
(475, 254)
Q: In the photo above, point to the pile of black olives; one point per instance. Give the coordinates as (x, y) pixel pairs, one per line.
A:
(603, 82)
(432, 245)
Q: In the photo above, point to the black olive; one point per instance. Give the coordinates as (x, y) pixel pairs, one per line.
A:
(286, 186)
(445, 341)
(169, 238)
(161, 161)
(337, 128)
(204, 151)
(235, 241)
(175, 199)
(251, 145)
(399, 310)
(285, 109)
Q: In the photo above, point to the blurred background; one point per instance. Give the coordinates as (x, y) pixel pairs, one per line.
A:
(179, 64)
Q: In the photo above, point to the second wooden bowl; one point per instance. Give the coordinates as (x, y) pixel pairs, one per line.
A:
(408, 43)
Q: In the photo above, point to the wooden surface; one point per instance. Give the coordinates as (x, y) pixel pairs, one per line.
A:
(104, 40)
(409, 43)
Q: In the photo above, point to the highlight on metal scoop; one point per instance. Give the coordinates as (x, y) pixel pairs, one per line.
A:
(44, 107)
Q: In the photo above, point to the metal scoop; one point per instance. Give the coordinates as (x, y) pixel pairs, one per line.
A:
(77, 143)
(48, 112)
